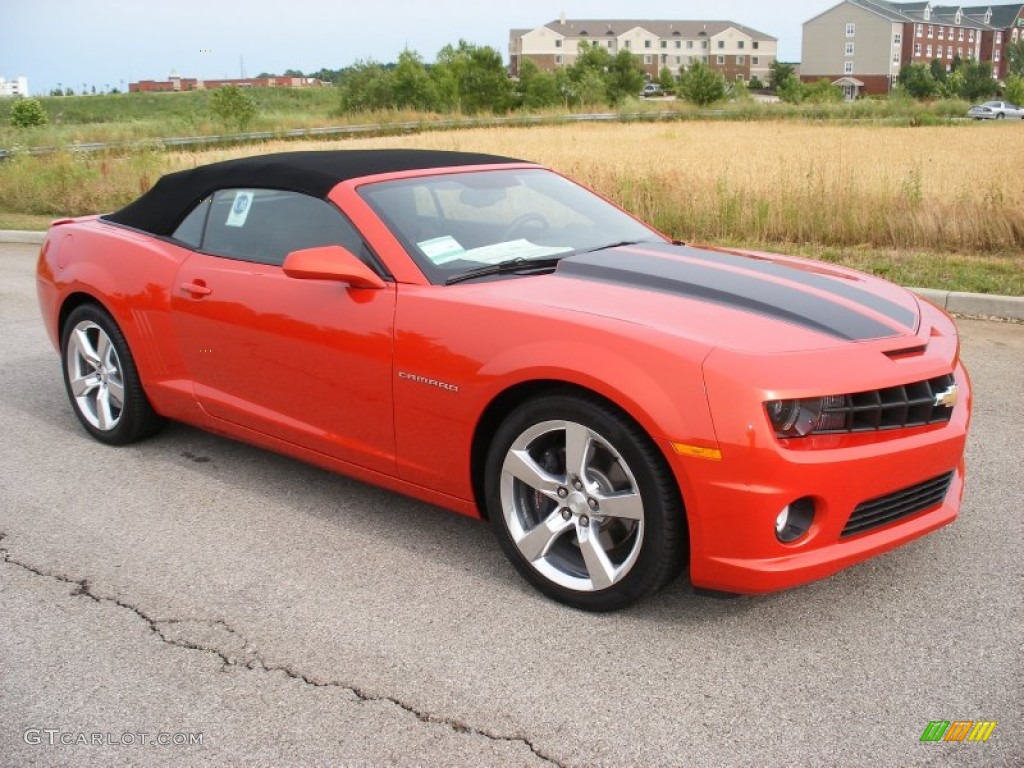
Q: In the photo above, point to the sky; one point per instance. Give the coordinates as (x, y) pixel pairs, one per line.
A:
(109, 43)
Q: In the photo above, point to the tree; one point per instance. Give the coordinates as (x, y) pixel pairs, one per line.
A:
(822, 92)
(755, 84)
(779, 72)
(366, 85)
(700, 85)
(1014, 53)
(1015, 89)
(411, 83)
(589, 75)
(625, 77)
(536, 89)
(791, 90)
(918, 81)
(938, 70)
(26, 113)
(667, 80)
(232, 107)
(978, 83)
(471, 78)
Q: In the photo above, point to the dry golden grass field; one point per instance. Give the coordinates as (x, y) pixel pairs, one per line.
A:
(934, 206)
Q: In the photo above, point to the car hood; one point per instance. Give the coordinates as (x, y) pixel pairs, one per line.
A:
(741, 300)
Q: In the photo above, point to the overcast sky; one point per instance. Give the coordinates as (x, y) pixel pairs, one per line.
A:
(113, 42)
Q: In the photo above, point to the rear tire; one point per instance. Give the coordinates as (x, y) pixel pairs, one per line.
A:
(101, 379)
(583, 503)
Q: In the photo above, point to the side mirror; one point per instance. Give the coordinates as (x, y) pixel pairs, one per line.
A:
(331, 262)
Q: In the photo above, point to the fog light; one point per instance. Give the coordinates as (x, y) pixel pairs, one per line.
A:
(794, 520)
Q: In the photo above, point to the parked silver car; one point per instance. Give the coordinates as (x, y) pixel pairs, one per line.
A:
(996, 110)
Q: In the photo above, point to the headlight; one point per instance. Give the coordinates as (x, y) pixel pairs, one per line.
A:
(797, 418)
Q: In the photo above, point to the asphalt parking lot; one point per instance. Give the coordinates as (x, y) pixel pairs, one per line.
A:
(192, 588)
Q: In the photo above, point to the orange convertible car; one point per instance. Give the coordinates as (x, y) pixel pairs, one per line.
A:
(484, 334)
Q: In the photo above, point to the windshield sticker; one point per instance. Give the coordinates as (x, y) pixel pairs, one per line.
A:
(441, 250)
(513, 249)
(240, 208)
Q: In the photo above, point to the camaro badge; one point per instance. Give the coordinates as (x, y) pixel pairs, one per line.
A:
(425, 380)
(947, 398)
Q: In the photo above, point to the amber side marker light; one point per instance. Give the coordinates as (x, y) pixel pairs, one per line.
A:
(697, 451)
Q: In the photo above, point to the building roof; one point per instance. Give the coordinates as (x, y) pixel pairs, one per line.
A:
(1003, 16)
(600, 28)
(162, 208)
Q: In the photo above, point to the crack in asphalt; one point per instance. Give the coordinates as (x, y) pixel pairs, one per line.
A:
(255, 662)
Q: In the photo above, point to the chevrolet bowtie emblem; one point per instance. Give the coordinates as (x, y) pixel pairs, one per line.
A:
(948, 397)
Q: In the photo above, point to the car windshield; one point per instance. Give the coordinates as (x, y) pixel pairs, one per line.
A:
(453, 223)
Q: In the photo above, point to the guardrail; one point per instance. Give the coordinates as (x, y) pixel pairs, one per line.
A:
(370, 129)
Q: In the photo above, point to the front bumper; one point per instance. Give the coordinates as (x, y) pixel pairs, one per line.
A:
(732, 504)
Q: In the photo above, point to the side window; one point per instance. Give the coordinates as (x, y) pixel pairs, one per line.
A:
(190, 231)
(265, 225)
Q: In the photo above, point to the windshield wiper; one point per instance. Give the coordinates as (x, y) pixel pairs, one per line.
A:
(617, 245)
(518, 264)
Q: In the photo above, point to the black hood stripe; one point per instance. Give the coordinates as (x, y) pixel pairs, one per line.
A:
(787, 303)
(834, 285)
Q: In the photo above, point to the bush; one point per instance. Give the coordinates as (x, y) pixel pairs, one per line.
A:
(26, 113)
(1015, 89)
(232, 107)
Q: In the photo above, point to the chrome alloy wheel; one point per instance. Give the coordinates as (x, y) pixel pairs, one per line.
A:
(95, 375)
(572, 505)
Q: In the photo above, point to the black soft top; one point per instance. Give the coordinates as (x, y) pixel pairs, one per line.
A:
(162, 208)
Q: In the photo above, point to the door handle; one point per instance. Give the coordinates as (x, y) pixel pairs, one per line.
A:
(196, 288)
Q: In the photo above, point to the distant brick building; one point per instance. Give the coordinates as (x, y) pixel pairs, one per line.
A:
(175, 83)
(862, 45)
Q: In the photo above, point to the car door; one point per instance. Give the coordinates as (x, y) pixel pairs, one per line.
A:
(305, 361)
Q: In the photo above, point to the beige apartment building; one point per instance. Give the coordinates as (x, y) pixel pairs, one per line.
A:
(861, 45)
(737, 51)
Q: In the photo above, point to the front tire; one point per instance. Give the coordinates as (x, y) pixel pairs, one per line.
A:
(583, 503)
(101, 379)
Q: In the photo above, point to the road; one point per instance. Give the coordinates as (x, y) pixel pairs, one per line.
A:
(193, 585)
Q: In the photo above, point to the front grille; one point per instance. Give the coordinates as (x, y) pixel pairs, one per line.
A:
(910, 405)
(895, 506)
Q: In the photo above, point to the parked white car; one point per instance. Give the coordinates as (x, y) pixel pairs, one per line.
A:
(996, 110)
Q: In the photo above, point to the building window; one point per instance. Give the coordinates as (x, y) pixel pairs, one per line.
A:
(647, 43)
(647, 58)
(942, 33)
(938, 52)
(611, 44)
(995, 57)
(739, 77)
(628, 44)
(897, 39)
(961, 34)
(704, 44)
(721, 60)
(679, 44)
(999, 37)
(928, 52)
(919, 30)
(851, 29)
(1013, 35)
(664, 43)
(741, 59)
(721, 44)
(679, 59)
(740, 44)
(959, 16)
(664, 58)
(755, 45)
(558, 43)
(895, 57)
(970, 35)
(960, 52)
(931, 31)
(689, 45)
(847, 67)
(755, 60)
(917, 49)
(558, 59)
(849, 49)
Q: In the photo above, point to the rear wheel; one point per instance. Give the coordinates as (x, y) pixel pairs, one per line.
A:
(583, 503)
(102, 381)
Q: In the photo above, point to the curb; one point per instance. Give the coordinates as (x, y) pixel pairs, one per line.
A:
(957, 302)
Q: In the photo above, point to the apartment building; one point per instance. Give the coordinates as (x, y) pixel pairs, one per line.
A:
(16, 87)
(862, 45)
(737, 51)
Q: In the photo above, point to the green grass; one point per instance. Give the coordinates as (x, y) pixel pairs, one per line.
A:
(26, 222)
